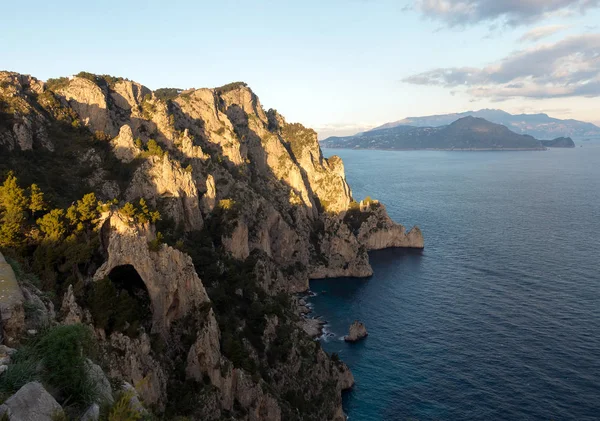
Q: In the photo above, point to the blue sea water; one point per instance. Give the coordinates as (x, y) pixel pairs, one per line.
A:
(499, 317)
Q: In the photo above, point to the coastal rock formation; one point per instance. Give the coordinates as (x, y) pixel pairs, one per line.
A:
(357, 332)
(378, 231)
(204, 325)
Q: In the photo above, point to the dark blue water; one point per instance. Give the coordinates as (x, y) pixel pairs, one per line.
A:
(499, 317)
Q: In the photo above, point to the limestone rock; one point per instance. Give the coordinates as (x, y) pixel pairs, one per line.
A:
(92, 413)
(165, 179)
(379, 231)
(127, 94)
(134, 400)
(339, 253)
(12, 313)
(169, 275)
(96, 375)
(133, 362)
(70, 310)
(357, 332)
(123, 146)
(40, 309)
(237, 244)
(90, 102)
(31, 403)
(204, 357)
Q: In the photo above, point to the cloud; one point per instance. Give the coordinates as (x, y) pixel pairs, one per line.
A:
(511, 12)
(568, 68)
(342, 129)
(541, 32)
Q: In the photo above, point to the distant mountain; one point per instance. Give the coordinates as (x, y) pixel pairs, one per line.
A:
(540, 126)
(467, 133)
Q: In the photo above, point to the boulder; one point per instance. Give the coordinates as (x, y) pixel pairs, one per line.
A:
(12, 313)
(92, 413)
(31, 403)
(357, 332)
(96, 375)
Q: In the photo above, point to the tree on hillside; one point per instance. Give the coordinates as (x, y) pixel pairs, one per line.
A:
(13, 204)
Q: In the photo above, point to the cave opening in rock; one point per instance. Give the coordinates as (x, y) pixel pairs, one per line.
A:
(121, 303)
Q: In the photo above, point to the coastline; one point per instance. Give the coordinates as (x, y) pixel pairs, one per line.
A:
(442, 149)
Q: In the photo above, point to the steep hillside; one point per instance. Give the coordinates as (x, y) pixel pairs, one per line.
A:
(467, 133)
(179, 225)
(540, 126)
(559, 142)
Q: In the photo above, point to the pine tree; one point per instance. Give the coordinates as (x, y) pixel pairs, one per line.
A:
(36, 199)
(13, 204)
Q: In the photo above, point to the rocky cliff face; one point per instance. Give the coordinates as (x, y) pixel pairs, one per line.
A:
(250, 209)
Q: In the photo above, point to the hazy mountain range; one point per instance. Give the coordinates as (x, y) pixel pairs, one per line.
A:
(466, 133)
(540, 126)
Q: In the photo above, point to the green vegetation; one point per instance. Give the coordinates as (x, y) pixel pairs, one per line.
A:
(148, 108)
(299, 137)
(13, 204)
(115, 308)
(58, 83)
(100, 80)
(152, 149)
(166, 94)
(139, 213)
(230, 87)
(122, 409)
(57, 244)
(57, 359)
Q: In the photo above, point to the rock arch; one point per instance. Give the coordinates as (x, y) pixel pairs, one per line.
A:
(168, 275)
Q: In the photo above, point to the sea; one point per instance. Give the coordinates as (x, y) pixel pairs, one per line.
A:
(498, 318)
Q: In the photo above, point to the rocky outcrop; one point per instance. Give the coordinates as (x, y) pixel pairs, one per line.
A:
(12, 313)
(92, 413)
(31, 403)
(168, 274)
(90, 102)
(123, 146)
(204, 356)
(23, 125)
(357, 332)
(338, 252)
(252, 199)
(70, 311)
(131, 359)
(378, 231)
(98, 378)
(163, 179)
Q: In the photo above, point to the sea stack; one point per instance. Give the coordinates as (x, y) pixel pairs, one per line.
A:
(357, 332)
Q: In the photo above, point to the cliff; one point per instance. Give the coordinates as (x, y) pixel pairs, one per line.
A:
(250, 210)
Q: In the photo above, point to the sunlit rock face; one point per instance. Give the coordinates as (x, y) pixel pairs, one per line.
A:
(249, 187)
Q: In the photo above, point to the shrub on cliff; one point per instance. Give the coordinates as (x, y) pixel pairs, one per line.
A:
(57, 358)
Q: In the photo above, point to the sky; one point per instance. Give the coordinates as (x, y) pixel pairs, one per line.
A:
(339, 67)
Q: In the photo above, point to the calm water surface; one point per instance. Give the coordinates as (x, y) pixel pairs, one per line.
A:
(499, 317)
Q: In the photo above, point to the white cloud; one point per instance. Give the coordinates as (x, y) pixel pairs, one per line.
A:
(568, 68)
(541, 32)
(511, 12)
